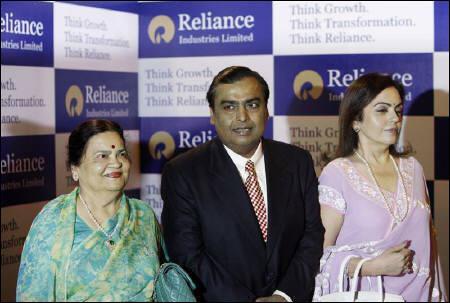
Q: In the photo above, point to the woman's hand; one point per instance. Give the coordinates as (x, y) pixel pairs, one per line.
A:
(394, 261)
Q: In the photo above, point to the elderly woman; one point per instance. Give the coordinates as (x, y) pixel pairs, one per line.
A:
(374, 200)
(94, 244)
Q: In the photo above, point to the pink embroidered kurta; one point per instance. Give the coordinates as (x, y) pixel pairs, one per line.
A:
(369, 229)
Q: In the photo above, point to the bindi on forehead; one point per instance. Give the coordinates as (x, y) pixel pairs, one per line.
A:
(113, 146)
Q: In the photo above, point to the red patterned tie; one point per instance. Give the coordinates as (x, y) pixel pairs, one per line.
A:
(256, 197)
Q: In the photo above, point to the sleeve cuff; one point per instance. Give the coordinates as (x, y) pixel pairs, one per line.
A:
(285, 296)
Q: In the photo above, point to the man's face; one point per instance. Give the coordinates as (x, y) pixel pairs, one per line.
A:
(240, 115)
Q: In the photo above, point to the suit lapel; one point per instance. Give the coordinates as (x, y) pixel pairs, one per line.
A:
(232, 193)
(279, 182)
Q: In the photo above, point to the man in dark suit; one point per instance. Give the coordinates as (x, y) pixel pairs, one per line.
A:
(241, 213)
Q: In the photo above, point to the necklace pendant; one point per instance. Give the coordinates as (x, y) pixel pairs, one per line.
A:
(110, 244)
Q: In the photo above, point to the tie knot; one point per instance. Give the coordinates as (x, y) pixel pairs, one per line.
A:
(250, 167)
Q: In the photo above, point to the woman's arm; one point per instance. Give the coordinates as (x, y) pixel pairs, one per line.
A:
(393, 262)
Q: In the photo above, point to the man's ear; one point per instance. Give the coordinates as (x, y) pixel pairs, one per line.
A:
(212, 118)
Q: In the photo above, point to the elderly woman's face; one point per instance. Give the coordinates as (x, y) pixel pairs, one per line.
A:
(105, 164)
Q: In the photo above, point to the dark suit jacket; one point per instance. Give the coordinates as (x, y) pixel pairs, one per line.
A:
(210, 227)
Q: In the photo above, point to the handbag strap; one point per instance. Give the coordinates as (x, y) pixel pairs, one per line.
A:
(342, 271)
(355, 280)
(166, 267)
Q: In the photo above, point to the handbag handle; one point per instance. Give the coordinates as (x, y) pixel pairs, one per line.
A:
(166, 267)
(356, 279)
(342, 271)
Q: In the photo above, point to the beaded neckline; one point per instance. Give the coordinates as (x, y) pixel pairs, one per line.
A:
(396, 216)
(109, 242)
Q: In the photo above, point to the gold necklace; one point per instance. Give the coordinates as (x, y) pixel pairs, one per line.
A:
(396, 218)
(109, 242)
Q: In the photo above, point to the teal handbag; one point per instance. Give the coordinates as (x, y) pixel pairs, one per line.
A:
(173, 284)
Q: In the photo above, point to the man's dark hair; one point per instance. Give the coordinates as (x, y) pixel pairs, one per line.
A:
(233, 74)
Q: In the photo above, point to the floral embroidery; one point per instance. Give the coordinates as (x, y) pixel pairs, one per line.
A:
(369, 190)
(424, 271)
(420, 271)
(331, 197)
(331, 251)
(415, 267)
(422, 204)
(435, 292)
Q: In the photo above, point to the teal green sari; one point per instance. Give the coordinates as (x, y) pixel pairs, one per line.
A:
(64, 260)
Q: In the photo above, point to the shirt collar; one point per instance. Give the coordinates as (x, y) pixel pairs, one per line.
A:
(240, 161)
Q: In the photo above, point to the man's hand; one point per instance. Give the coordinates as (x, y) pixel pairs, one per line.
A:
(273, 298)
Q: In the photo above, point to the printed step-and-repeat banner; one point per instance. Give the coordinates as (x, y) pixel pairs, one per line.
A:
(148, 66)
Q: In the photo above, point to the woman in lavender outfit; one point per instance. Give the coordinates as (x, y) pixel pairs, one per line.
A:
(374, 200)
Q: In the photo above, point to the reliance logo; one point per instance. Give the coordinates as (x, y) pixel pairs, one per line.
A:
(206, 21)
(308, 84)
(161, 27)
(11, 25)
(12, 165)
(161, 144)
(74, 101)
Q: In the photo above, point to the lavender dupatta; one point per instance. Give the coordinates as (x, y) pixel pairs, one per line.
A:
(368, 230)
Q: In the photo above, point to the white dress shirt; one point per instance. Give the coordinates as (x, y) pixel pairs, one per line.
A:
(258, 160)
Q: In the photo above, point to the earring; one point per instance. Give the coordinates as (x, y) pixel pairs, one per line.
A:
(356, 129)
(75, 177)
